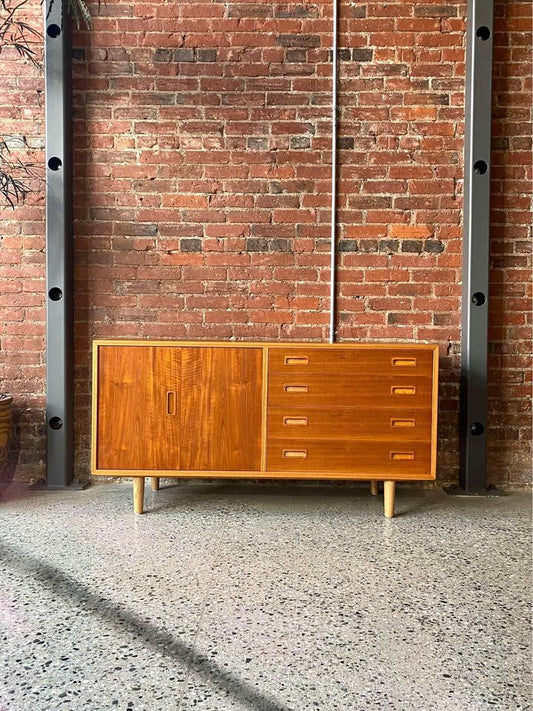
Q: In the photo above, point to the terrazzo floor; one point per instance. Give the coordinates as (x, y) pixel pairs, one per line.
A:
(264, 598)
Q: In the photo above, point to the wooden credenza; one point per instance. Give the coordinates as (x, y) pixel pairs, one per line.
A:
(271, 410)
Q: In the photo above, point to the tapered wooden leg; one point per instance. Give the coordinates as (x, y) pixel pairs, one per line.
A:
(154, 483)
(138, 494)
(374, 488)
(389, 489)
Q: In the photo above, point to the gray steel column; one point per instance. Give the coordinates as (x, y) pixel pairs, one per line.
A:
(475, 300)
(59, 248)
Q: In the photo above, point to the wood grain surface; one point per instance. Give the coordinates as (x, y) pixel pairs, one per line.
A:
(349, 390)
(358, 457)
(133, 430)
(349, 423)
(220, 408)
(186, 408)
(385, 361)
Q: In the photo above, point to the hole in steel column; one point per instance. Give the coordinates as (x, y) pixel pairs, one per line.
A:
(478, 298)
(55, 423)
(480, 167)
(53, 31)
(483, 33)
(477, 429)
(55, 293)
(55, 163)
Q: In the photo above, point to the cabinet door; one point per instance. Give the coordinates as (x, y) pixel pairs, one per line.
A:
(138, 419)
(220, 409)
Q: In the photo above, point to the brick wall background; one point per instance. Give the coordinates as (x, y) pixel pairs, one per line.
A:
(202, 139)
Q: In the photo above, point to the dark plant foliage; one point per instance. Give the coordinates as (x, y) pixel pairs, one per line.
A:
(15, 33)
(13, 176)
(78, 9)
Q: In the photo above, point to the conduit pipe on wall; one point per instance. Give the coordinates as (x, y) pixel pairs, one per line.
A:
(334, 80)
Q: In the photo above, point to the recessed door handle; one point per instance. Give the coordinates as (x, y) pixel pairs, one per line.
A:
(404, 362)
(296, 388)
(295, 453)
(405, 456)
(171, 402)
(296, 360)
(295, 421)
(402, 423)
(403, 390)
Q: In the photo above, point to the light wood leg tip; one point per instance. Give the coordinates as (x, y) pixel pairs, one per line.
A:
(138, 494)
(389, 490)
(374, 488)
(154, 483)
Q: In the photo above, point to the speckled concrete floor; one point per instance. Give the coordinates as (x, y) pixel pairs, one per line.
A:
(269, 598)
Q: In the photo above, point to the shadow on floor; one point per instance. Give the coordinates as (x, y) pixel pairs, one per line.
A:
(163, 642)
(187, 493)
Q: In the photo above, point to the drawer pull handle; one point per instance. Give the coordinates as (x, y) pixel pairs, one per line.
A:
(402, 423)
(402, 456)
(403, 390)
(295, 421)
(171, 402)
(404, 362)
(296, 388)
(296, 360)
(295, 453)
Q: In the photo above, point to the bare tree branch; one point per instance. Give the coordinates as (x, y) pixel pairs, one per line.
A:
(15, 175)
(16, 33)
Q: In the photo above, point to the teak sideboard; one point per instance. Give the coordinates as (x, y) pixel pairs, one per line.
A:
(270, 410)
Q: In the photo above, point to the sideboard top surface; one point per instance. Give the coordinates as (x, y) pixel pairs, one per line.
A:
(265, 344)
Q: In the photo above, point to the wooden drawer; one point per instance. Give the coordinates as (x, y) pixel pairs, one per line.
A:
(385, 361)
(388, 459)
(347, 423)
(349, 390)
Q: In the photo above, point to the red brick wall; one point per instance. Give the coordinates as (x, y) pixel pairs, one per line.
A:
(511, 234)
(22, 258)
(202, 193)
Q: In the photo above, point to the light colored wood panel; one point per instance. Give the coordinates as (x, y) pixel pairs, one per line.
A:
(367, 475)
(349, 390)
(435, 412)
(349, 423)
(151, 343)
(134, 427)
(94, 411)
(386, 361)
(220, 409)
(357, 457)
(347, 345)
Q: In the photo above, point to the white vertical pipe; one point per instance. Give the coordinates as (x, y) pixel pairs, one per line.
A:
(333, 270)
